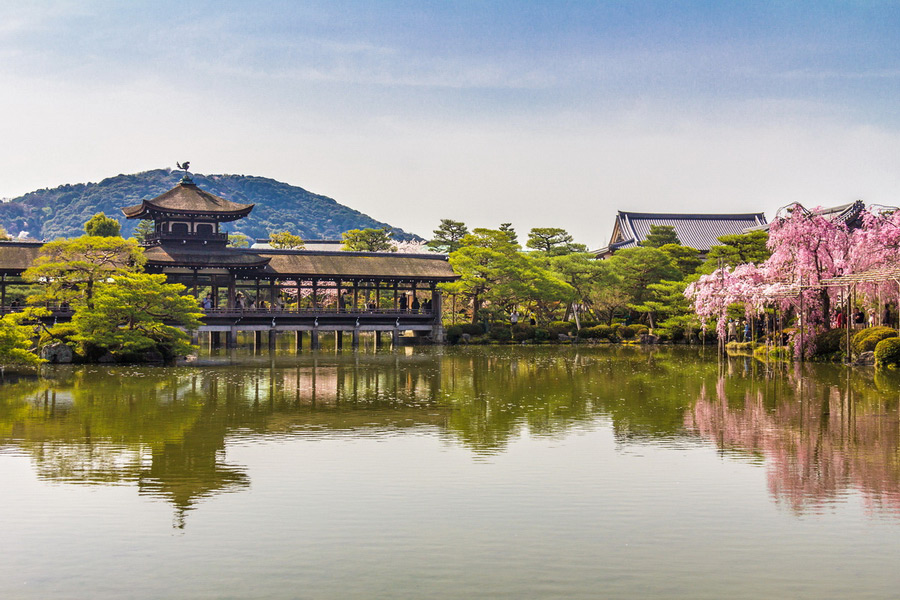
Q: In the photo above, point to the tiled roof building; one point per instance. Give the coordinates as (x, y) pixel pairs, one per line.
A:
(698, 231)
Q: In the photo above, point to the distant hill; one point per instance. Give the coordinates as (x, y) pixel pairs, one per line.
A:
(62, 211)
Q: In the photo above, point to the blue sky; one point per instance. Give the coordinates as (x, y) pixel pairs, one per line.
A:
(538, 113)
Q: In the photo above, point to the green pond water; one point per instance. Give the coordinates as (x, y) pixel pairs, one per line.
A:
(502, 472)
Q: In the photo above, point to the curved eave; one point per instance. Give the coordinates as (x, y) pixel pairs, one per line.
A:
(146, 210)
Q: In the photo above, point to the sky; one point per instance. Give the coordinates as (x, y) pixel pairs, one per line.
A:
(542, 114)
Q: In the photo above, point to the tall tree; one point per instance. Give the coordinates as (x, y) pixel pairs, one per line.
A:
(660, 235)
(69, 269)
(684, 258)
(368, 240)
(102, 226)
(507, 228)
(286, 240)
(144, 230)
(639, 267)
(553, 241)
(448, 236)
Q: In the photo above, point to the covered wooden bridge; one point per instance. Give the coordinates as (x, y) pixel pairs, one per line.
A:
(306, 292)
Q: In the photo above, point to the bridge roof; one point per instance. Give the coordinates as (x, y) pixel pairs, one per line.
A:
(162, 256)
(358, 265)
(15, 257)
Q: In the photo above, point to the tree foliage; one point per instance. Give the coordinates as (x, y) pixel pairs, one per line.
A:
(135, 312)
(144, 230)
(448, 236)
(368, 240)
(286, 240)
(734, 250)
(15, 341)
(102, 226)
(553, 241)
(660, 235)
(70, 269)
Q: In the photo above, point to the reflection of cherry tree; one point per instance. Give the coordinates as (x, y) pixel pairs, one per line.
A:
(816, 449)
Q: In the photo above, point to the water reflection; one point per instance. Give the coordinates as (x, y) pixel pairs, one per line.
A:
(821, 431)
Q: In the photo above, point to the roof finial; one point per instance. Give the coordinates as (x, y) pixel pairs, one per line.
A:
(186, 165)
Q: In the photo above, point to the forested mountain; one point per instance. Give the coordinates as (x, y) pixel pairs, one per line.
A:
(62, 211)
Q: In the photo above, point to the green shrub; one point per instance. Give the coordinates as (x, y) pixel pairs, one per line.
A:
(472, 328)
(541, 335)
(766, 353)
(887, 353)
(639, 328)
(453, 333)
(867, 339)
(624, 332)
(830, 342)
(597, 332)
(556, 328)
(522, 332)
(500, 333)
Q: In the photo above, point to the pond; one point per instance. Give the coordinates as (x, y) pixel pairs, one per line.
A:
(483, 472)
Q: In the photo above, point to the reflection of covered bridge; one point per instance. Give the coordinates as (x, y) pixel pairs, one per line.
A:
(272, 290)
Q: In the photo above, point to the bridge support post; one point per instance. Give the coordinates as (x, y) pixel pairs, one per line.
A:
(339, 339)
(377, 339)
(271, 340)
(195, 337)
(231, 338)
(355, 339)
(314, 339)
(257, 342)
(298, 340)
(395, 338)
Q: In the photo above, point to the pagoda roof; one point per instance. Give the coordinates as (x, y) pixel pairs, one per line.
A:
(188, 199)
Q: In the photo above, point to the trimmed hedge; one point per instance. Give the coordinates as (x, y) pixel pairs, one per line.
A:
(867, 339)
(887, 353)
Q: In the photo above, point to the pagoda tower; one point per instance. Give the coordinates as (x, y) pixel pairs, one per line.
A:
(188, 217)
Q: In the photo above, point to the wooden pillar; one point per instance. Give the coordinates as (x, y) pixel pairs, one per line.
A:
(355, 340)
(437, 325)
(377, 339)
(298, 340)
(215, 339)
(314, 339)
(339, 339)
(315, 293)
(272, 340)
(257, 340)
(355, 295)
(396, 293)
(231, 338)
(231, 292)
(395, 338)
